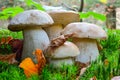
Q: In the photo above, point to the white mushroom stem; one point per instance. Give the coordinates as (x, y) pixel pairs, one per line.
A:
(88, 49)
(54, 30)
(34, 38)
(60, 62)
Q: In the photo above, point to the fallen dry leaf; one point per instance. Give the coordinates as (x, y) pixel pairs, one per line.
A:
(10, 58)
(41, 59)
(93, 78)
(9, 38)
(82, 71)
(30, 68)
(2, 41)
(56, 42)
(82, 67)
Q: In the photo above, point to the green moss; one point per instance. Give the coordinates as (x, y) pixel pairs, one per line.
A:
(66, 72)
(11, 72)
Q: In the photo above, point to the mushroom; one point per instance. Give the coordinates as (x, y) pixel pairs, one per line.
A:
(31, 23)
(61, 51)
(116, 78)
(61, 19)
(84, 36)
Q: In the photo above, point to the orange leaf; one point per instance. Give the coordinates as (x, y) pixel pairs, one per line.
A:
(29, 67)
(40, 58)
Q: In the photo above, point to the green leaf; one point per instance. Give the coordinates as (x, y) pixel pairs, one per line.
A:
(10, 12)
(95, 15)
(35, 4)
(83, 15)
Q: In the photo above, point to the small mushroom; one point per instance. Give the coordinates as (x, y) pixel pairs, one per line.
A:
(84, 36)
(62, 52)
(61, 19)
(31, 23)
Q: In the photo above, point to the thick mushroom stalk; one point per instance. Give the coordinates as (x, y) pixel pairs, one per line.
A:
(86, 46)
(61, 19)
(54, 30)
(34, 38)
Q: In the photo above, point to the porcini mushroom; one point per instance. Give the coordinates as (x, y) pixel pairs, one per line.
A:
(31, 23)
(61, 19)
(84, 36)
(62, 52)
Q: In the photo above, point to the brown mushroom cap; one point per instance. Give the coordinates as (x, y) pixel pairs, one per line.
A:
(29, 18)
(64, 17)
(85, 30)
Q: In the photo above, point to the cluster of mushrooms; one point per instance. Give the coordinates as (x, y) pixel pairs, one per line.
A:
(51, 31)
